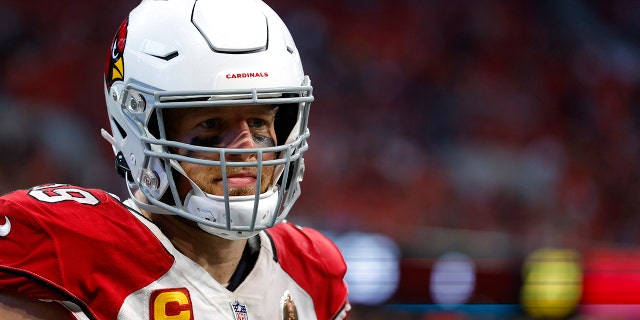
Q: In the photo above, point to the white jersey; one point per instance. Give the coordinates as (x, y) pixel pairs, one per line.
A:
(86, 250)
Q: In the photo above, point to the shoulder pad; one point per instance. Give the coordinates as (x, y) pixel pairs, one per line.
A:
(69, 241)
(311, 258)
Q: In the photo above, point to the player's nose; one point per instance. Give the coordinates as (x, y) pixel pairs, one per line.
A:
(240, 137)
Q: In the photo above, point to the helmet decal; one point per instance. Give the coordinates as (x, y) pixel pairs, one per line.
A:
(114, 69)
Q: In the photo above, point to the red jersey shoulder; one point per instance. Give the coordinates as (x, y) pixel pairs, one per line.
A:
(74, 239)
(310, 258)
(301, 243)
(60, 210)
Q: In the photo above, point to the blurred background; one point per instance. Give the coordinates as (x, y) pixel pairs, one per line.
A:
(472, 159)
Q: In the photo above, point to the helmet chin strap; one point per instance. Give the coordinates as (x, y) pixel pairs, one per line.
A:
(239, 212)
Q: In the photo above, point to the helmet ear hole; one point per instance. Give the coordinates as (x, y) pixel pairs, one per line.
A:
(290, 175)
(167, 197)
(152, 126)
(121, 130)
(286, 119)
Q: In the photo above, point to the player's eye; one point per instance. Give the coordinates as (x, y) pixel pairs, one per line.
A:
(256, 122)
(210, 123)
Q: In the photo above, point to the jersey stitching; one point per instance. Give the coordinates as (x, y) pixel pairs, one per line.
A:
(273, 246)
(61, 291)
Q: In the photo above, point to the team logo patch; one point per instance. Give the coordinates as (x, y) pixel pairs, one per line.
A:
(114, 68)
(289, 309)
(239, 311)
(173, 303)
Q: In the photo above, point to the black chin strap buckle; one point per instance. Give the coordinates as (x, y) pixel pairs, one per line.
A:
(122, 167)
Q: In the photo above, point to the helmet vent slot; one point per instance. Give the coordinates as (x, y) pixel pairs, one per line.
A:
(120, 129)
(167, 57)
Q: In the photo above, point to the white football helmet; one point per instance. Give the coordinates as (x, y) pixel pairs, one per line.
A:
(206, 53)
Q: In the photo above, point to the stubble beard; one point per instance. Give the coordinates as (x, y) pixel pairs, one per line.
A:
(204, 180)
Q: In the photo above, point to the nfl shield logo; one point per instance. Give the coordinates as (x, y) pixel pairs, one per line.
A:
(239, 311)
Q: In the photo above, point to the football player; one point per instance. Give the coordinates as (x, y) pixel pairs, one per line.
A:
(208, 106)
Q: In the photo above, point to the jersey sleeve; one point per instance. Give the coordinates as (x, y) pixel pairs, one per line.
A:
(29, 258)
(316, 264)
(65, 243)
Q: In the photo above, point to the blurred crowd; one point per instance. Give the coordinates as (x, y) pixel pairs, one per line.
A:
(514, 117)
(492, 127)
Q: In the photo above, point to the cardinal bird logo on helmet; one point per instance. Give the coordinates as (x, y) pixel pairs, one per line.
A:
(114, 69)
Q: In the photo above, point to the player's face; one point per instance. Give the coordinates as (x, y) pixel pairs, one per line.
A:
(224, 127)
